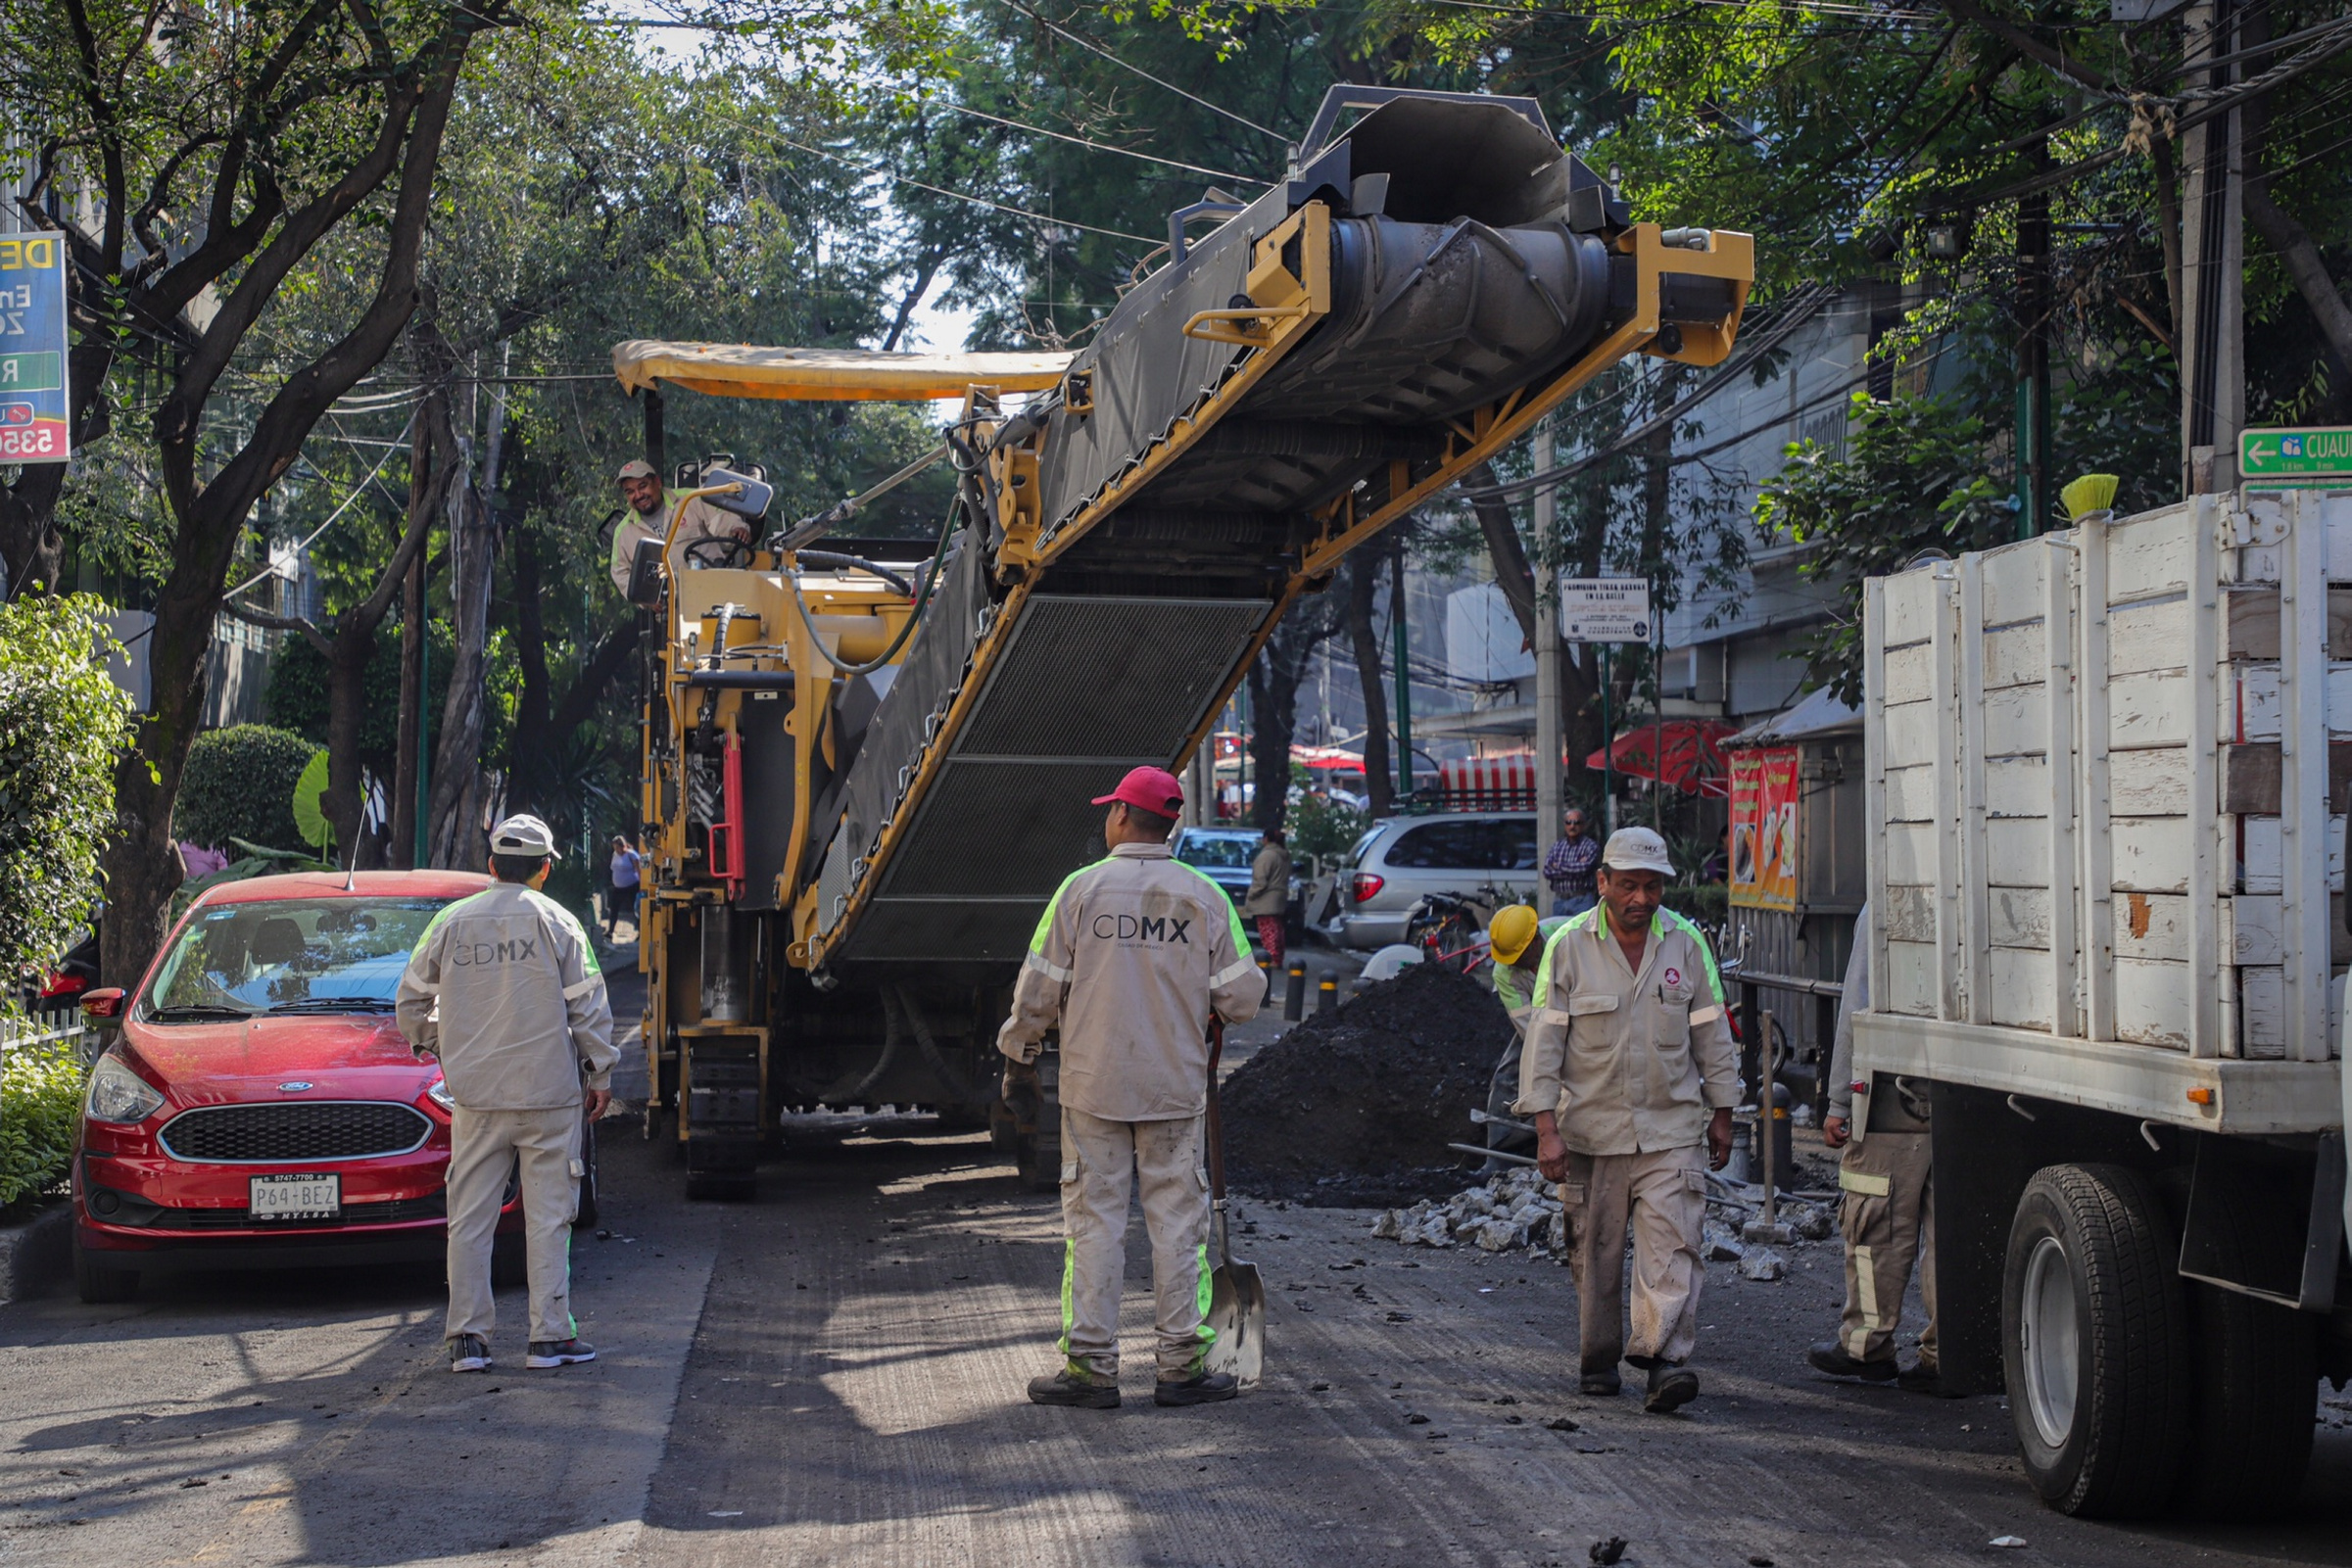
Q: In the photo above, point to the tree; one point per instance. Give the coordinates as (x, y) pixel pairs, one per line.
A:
(221, 150)
(1273, 678)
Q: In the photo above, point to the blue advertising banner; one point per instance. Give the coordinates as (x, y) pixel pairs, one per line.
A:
(33, 427)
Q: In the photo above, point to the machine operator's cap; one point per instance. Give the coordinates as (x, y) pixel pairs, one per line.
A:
(637, 468)
(1636, 849)
(1510, 930)
(1152, 789)
(523, 836)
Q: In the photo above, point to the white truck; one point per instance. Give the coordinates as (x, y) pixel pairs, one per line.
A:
(2107, 770)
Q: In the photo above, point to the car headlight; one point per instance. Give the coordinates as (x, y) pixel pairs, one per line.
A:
(440, 1095)
(118, 1094)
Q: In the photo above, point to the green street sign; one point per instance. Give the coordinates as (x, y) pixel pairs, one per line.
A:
(2317, 453)
(32, 372)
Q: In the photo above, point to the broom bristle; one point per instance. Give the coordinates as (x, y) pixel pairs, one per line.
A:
(2092, 492)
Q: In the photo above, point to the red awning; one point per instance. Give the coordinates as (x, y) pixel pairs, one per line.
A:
(1692, 763)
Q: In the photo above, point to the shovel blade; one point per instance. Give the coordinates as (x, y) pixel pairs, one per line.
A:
(1237, 1314)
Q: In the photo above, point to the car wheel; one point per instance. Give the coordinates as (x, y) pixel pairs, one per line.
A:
(99, 1285)
(2094, 1338)
(584, 1212)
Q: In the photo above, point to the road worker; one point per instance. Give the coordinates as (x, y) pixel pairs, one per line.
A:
(1135, 957)
(1888, 1212)
(1630, 1067)
(503, 987)
(649, 518)
(1515, 944)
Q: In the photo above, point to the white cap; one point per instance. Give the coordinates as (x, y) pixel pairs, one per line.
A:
(1636, 849)
(524, 834)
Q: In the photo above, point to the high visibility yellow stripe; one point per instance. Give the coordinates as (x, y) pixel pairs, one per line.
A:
(1863, 1182)
(1069, 1305)
(1866, 1288)
(1203, 1294)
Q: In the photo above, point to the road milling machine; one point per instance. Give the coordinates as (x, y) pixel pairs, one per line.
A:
(867, 765)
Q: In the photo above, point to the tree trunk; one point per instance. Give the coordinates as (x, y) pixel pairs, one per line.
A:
(1364, 578)
(415, 637)
(452, 834)
(1512, 574)
(1275, 678)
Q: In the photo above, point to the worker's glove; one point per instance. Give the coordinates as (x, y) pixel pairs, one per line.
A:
(1019, 1087)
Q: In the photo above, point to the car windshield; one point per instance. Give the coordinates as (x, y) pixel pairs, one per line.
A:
(293, 954)
(1234, 850)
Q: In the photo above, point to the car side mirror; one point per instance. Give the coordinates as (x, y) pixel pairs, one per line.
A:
(645, 575)
(102, 1009)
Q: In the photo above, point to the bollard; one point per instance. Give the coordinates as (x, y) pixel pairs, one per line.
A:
(1294, 996)
(1327, 994)
(1266, 970)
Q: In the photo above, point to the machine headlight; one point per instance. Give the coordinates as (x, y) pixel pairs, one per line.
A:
(118, 1094)
(440, 1095)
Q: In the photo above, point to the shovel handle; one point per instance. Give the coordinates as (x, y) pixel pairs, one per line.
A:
(1217, 1137)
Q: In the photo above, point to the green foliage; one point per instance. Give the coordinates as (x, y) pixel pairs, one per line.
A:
(1705, 903)
(40, 1110)
(1319, 825)
(1912, 478)
(62, 727)
(240, 784)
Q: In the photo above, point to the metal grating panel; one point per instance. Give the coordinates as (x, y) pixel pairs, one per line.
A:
(947, 929)
(1099, 677)
(1005, 829)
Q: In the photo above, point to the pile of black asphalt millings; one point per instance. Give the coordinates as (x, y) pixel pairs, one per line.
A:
(1354, 1108)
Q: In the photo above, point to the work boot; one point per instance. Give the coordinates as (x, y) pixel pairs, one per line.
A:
(1924, 1377)
(469, 1352)
(1671, 1386)
(1201, 1388)
(559, 1353)
(1831, 1356)
(1600, 1385)
(1077, 1387)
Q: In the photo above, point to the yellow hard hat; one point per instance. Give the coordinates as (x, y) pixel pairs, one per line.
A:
(1510, 931)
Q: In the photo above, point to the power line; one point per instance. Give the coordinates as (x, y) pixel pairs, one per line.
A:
(959, 195)
(1091, 46)
(1095, 146)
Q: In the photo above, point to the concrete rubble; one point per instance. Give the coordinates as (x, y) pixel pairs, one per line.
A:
(1520, 1211)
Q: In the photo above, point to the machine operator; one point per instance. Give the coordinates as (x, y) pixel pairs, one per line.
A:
(503, 987)
(1629, 1068)
(1135, 957)
(649, 518)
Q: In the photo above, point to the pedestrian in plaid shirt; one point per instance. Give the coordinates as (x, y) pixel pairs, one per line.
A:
(1570, 867)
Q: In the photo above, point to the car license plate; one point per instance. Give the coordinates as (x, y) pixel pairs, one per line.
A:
(297, 1197)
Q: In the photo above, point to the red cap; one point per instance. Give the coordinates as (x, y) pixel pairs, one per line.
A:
(1152, 789)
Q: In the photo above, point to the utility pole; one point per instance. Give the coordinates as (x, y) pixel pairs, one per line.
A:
(1397, 621)
(2213, 383)
(1548, 781)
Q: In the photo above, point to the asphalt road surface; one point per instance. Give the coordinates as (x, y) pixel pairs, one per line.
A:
(833, 1374)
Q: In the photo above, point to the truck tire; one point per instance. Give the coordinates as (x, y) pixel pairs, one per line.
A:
(98, 1285)
(2257, 1375)
(1038, 1157)
(2094, 1343)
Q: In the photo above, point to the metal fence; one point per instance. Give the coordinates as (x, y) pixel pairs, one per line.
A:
(50, 1027)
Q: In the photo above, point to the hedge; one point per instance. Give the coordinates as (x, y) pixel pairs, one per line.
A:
(41, 1108)
(239, 783)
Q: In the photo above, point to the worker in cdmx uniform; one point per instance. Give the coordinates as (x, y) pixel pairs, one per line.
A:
(1888, 1213)
(649, 518)
(1514, 945)
(1630, 1067)
(1134, 957)
(503, 987)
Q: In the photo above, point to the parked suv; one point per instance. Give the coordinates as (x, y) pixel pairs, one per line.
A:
(1400, 859)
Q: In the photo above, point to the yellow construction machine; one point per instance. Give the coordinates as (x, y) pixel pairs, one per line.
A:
(867, 762)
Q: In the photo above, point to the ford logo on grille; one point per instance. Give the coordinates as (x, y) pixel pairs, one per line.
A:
(295, 1087)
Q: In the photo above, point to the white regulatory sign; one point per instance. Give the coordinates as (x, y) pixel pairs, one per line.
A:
(1604, 609)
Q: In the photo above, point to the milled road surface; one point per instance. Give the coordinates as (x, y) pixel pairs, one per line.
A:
(833, 1373)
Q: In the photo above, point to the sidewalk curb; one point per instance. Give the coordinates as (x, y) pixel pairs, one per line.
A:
(35, 1254)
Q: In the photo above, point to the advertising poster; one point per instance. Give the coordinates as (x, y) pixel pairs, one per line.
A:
(32, 349)
(1763, 828)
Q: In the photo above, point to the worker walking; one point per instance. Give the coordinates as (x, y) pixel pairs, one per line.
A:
(503, 987)
(649, 518)
(1135, 956)
(1629, 1067)
(1514, 945)
(1888, 1209)
(1268, 901)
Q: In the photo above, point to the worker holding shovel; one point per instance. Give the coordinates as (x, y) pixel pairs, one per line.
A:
(1138, 959)
(1630, 1075)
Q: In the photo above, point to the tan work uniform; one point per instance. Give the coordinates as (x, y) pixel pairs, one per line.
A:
(1888, 1215)
(1631, 1063)
(503, 987)
(702, 521)
(1130, 960)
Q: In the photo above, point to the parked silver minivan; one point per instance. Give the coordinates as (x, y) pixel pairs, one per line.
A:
(1401, 858)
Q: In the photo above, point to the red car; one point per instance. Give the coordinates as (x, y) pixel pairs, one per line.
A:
(259, 1107)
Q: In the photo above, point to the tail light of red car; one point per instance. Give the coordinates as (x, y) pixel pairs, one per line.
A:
(1363, 887)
